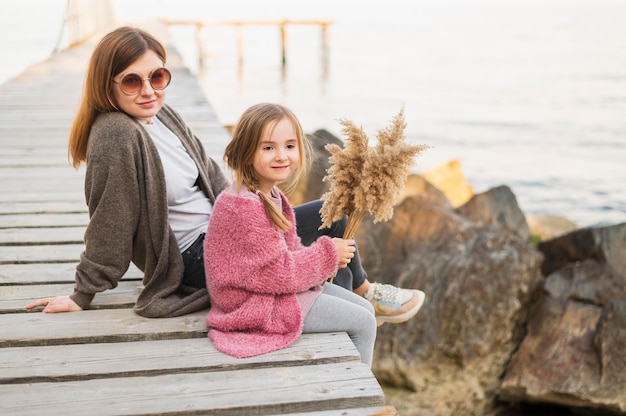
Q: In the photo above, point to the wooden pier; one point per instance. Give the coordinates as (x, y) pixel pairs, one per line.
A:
(109, 360)
(201, 26)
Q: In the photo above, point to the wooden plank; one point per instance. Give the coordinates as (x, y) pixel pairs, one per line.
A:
(95, 326)
(66, 206)
(15, 298)
(361, 411)
(52, 186)
(250, 391)
(43, 219)
(50, 152)
(143, 358)
(22, 160)
(10, 201)
(66, 253)
(37, 173)
(43, 273)
(27, 135)
(42, 235)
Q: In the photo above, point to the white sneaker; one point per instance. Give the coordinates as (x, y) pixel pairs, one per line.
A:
(392, 304)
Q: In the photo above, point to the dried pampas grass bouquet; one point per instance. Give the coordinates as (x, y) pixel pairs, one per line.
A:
(367, 179)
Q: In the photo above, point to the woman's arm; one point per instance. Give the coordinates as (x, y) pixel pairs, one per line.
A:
(111, 193)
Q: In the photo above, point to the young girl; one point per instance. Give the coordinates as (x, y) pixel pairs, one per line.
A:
(265, 286)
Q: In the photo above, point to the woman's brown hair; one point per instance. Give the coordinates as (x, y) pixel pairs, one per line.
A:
(114, 53)
(247, 135)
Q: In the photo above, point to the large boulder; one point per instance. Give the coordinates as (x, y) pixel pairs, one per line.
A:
(498, 206)
(450, 179)
(417, 185)
(479, 280)
(545, 227)
(573, 354)
(604, 244)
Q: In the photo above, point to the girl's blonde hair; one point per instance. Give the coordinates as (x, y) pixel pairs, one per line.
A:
(247, 135)
(114, 53)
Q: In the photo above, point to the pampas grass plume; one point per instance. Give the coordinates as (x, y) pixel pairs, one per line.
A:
(367, 179)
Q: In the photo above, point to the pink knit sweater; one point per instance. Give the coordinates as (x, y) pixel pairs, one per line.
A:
(253, 274)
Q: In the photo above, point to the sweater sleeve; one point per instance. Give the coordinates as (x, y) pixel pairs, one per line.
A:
(111, 192)
(244, 250)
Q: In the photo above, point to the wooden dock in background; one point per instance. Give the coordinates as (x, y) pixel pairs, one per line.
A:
(201, 26)
(109, 360)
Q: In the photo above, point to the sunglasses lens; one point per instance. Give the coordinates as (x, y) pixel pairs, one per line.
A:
(160, 79)
(131, 83)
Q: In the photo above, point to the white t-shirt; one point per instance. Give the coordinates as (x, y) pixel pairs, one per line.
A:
(188, 207)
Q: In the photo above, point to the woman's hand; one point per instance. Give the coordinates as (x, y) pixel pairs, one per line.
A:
(345, 251)
(57, 304)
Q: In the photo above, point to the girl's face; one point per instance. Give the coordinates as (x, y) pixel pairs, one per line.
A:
(277, 156)
(147, 102)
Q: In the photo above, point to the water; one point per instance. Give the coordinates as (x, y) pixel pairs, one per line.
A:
(530, 94)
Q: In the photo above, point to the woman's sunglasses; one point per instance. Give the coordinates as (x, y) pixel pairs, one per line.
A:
(132, 83)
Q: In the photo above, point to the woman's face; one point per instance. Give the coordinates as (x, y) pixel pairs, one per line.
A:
(147, 102)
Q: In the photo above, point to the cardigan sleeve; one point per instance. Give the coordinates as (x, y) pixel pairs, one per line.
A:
(244, 250)
(112, 197)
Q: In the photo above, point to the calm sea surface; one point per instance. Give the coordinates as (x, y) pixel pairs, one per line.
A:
(529, 94)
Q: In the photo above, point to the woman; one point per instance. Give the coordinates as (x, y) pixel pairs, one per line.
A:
(150, 189)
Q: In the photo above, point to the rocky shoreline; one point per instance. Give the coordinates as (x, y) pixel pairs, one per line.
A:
(522, 316)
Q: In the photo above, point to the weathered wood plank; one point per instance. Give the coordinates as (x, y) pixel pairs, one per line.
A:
(15, 298)
(22, 150)
(243, 392)
(52, 186)
(43, 199)
(36, 204)
(26, 160)
(37, 173)
(143, 358)
(361, 411)
(43, 273)
(44, 235)
(65, 253)
(94, 326)
(43, 219)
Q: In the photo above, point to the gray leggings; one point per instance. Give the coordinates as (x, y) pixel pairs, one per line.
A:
(337, 309)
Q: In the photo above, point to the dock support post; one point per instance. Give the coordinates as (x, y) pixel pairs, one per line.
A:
(201, 46)
(283, 45)
(325, 48)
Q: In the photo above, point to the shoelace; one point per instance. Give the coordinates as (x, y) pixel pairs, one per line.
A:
(385, 293)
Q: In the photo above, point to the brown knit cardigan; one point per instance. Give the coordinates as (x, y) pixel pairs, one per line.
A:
(126, 195)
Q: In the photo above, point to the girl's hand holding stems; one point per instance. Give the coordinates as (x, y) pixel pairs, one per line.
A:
(345, 251)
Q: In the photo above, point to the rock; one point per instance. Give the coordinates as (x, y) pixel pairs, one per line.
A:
(573, 354)
(547, 227)
(610, 342)
(497, 206)
(479, 280)
(604, 244)
(449, 178)
(417, 185)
